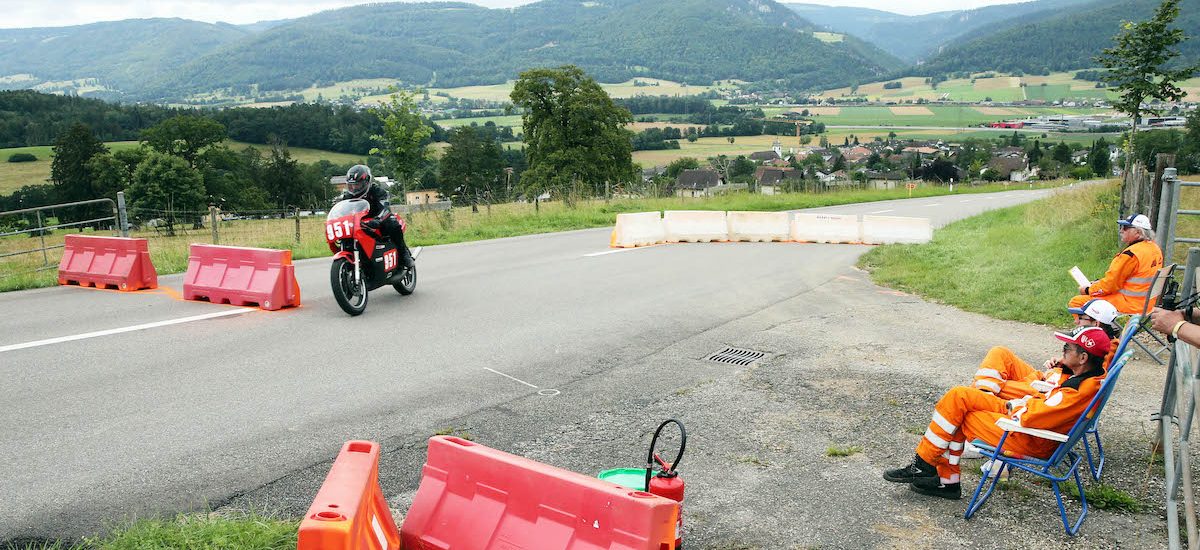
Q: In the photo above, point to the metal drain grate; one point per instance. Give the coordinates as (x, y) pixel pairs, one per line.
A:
(736, 356)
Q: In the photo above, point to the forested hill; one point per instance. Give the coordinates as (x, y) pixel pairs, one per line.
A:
(1065, 39)
(120, 54)
(452, 44)
(448, 45)
(916, 37)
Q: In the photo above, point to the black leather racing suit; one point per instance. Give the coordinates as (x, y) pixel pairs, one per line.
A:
(382, 212)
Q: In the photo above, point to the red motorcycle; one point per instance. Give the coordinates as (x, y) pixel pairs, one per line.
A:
(363, 259)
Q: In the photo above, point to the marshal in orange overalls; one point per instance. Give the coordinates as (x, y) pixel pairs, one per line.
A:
(1127, 282)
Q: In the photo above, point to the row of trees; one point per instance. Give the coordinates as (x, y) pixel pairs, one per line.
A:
(180, 167)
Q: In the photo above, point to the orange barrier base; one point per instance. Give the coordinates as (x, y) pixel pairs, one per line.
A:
(349, 512)
(107, 262)
(241, 276)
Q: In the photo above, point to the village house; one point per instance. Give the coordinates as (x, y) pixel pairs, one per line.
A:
(857, 153)
(697, 183)
(422, 196)
(1010, 168)
(771, 181)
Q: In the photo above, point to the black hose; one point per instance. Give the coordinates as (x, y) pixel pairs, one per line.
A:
(654, 440)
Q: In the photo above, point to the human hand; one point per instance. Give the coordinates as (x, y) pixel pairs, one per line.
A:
(1050, 364)
(1163, 320)
(1083, 290)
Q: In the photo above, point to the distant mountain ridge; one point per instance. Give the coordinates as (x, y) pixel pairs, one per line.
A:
(1060, 40)
(914, 38)
(449, 44)
(120, 54)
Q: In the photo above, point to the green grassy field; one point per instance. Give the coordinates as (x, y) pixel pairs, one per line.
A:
(1000, 88)
(1010, 263)
(14, 175)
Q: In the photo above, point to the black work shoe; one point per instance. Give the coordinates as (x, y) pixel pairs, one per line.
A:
(406, 260)
(934, 487)
(919, 469)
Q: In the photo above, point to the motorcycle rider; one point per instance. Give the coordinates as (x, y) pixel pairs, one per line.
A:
(360, 185)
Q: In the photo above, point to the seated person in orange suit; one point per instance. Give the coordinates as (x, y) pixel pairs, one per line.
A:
(1127, 282)
(1005, 375)
(965, 414)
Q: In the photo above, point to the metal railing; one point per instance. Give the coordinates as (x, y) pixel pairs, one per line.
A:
(1175, 417)
(119, 218)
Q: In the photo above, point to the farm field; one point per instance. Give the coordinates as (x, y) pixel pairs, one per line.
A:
(744, 145)
(1053, 87)
(501, 92)
(958, 116)
(14, 175)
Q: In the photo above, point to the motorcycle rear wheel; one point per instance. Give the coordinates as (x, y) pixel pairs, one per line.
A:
(408, 283)
(351, 297)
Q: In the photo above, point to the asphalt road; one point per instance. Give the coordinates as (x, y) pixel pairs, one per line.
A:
(200, 403)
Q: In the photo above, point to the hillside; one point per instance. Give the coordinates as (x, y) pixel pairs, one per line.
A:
(914, 38)
(101, 57)
(454, 44)
(1065, 39)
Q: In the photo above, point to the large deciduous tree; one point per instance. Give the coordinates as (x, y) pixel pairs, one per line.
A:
(1140, 68)
(164, 186)
(576, 136)
(184, 136)
(404, 138)
(471, 167)
(69, 171)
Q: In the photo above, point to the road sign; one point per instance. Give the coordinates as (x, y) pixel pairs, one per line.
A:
(910, 186)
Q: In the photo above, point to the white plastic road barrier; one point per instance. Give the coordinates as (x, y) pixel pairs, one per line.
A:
(759, 226)
(695, 226)
(892, 229)
(641, 229)
(826, 228)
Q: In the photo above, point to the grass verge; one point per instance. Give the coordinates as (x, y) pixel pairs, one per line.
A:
(1010, 263)
(192, 532)
(169, 253)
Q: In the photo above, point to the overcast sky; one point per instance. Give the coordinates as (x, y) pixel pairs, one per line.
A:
(58, 13)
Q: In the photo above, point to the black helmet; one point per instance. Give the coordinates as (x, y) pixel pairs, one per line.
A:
(358, 180)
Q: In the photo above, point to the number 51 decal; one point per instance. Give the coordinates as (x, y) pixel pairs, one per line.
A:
(389, 260)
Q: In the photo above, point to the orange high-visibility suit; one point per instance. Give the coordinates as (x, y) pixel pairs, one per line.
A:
(1006, 376)
(1127, 282)
(966, 414)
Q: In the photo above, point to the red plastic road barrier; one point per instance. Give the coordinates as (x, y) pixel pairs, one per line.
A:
(118, 262)
(241, 276)
(350, 512)
(473, 497)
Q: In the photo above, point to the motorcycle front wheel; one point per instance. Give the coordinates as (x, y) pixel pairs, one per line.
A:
(350, 296)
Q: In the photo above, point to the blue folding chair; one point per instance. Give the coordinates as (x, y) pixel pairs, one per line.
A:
(1064, 457)
(1129, 334)
(1096, 458)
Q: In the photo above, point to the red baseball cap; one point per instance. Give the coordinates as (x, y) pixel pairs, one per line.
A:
(1092, 339)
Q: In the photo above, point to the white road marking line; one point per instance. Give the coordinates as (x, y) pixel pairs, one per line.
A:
(618, 250)
(934, 204)
(965, 200)
(110, 332)
(510, 377)
(882, 211)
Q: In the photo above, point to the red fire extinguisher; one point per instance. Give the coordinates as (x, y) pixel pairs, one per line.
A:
(667, 483)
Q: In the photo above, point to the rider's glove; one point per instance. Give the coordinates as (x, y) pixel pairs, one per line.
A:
(371, 224)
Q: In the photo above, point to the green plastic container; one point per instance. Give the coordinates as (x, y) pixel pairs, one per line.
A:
(634, 478)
